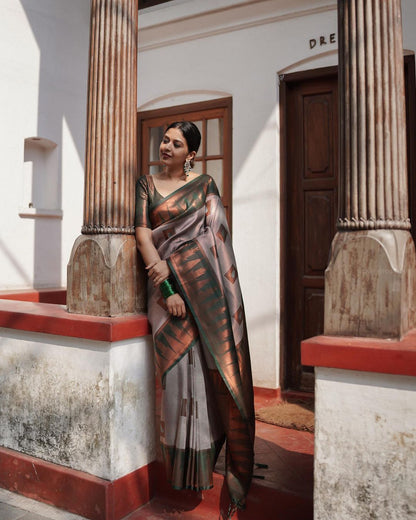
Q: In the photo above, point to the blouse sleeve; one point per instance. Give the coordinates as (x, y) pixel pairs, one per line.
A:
(142, 204)
(212, 187)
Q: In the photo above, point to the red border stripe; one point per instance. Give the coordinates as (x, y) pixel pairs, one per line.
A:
(76, 491)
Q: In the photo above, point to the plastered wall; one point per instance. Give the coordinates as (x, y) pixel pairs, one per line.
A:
(365, 444)
(87, 405)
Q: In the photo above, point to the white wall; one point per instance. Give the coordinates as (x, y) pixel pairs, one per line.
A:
(241, 60)
(408, 22)
(365, 445)
(43, 86)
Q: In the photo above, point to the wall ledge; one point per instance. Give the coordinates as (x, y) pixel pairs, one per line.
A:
(41, 213)
(44, 295)
(51, 318)
(397, 357)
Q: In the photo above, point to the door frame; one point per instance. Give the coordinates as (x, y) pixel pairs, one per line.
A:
(284, 81)
(410, 86)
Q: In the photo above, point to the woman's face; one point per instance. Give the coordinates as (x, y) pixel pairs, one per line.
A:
(174, 149)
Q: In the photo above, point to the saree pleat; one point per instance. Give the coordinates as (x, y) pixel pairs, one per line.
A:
(202, 360)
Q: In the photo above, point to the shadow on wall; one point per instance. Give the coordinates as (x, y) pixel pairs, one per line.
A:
(17, 265)
(61, 30)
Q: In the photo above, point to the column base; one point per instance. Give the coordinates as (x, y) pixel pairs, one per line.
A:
(370, 284)
(106, 276)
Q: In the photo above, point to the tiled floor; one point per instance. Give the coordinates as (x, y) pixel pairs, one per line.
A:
(283, 490)
(288, 453)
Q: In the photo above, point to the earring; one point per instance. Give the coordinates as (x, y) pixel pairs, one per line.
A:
(187, 167)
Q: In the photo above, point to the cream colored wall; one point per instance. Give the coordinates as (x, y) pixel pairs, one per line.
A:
(43, 85)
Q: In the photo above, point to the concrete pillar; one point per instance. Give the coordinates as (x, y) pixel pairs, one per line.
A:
(104, 277)
(370, 281)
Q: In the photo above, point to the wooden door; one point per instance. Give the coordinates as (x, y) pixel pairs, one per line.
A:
(310, 159)
(311, 125)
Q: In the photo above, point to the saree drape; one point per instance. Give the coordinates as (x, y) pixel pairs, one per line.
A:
(202, 360)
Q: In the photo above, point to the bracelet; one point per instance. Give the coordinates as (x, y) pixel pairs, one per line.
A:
(166, 289)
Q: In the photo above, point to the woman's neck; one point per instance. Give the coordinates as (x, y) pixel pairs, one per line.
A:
(177, 174)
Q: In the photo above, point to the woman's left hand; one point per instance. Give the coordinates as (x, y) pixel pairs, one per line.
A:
(158, 272)
(176, 306)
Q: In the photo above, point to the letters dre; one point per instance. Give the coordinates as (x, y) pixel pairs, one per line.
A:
(322, 40)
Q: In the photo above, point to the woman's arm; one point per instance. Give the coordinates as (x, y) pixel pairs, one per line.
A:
(157, 269)
(144, 242)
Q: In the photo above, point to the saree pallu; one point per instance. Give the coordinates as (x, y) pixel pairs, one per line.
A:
(202, 360)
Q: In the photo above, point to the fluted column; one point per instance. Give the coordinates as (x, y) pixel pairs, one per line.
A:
(370, 282)
(111, 124)
(104, 275)
(373, 134)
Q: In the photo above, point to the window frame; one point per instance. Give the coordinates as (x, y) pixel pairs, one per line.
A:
(150, 3)
(204, 110)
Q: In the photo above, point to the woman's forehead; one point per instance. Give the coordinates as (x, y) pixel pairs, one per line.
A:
(175, 133)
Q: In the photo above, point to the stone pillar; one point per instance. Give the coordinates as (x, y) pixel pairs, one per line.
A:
(370, 281)
(104, 277)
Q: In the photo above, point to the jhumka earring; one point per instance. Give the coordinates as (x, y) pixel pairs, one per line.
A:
(187, 167)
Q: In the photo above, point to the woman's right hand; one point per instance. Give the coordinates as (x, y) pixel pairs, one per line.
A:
(158, 272)
(176, 306)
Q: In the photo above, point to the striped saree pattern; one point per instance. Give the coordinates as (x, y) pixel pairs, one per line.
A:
(202, 360)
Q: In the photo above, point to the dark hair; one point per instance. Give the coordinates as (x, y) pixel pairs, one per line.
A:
(190, 132)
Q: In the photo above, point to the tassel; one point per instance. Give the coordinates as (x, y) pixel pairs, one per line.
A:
(231, 510)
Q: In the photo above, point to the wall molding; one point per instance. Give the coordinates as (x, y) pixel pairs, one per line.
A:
(220, 21)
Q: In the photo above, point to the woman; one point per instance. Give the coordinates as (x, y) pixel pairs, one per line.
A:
(198, 323)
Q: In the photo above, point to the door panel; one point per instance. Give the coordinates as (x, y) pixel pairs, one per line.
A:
(318, 138)
(319, 214)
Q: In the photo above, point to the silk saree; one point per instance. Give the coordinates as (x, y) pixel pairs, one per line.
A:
(202, 360)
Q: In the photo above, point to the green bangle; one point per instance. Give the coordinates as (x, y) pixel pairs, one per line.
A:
(166, 289)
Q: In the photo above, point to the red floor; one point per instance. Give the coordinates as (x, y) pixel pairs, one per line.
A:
(283, 491)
